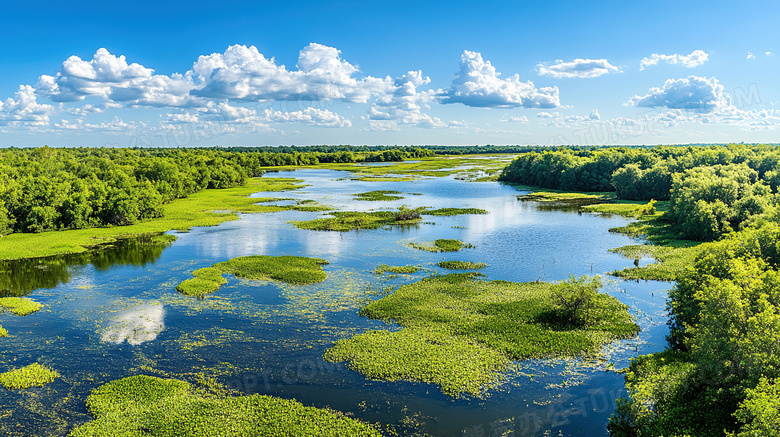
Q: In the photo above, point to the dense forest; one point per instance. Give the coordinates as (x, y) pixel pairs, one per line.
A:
(719, 375)
(45, 189)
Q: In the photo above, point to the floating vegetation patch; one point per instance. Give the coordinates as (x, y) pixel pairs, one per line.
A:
(441, 245)
(343, 221)
(382, 268)
(28, 376)
(385, 178)
(296, 270)
(19, 305)
(3, 332)
(461, 265)
(454, 211)
(147, 405)
(670, 262)
(385, 195)
(490, 322)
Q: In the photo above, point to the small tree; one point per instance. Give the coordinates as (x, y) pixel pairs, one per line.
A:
(405, 213)
(575, 297)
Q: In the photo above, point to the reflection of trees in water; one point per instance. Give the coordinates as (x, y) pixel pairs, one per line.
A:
(20, 277)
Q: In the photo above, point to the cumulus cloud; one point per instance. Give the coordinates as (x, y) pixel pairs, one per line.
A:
(693, 92)
(750, 55)
(243, 73)
(581, 68)
(24, 108)
(515, 119)
(694, 59)
(404, 104)
(478, 84)
(310, 116)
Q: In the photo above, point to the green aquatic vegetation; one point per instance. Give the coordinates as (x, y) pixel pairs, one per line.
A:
(454, 211)
(628, 208)
(395, 269)
(204, 208)
(28, 376)
(146, 405)
(3, 332)
(441, 245)
(19, 305)
(296, 270)
(454, 363)
(484, 320)
(670, 262)
(343, 221)
(378, 195)
(461, 265)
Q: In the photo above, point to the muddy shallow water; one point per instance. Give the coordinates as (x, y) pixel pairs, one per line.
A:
(120, 315)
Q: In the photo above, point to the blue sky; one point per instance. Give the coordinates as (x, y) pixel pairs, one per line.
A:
(279, 73)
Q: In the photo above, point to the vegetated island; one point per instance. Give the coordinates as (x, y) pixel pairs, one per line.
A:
(378, 195)
(442, 245)
(461, 265)
(291, 269)
(34, 375)
(146, 405)
(461, 333)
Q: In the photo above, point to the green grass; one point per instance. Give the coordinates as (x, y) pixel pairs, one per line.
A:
(670, 262)
(199, 209)
(454, 211)
(19, 305)
(627, 208)
(461, 333)
(441, 245)
(461, 265)
(343, 221)
(291, 269)
(558, 196)
(382, 268)
(149, 406)
(378, 195)
(26, 377)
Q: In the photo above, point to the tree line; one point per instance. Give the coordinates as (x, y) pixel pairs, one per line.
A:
(44, 189)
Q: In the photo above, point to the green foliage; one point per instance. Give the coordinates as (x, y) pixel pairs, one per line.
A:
(442, 245)
(460, 332)
(575, 299)
(291, 269)
(461, 265)
(343, 221)
(145, 405)
(725, 333)
(28, 376)
(454, 211)
(670, 262)
(19, 306)
(395, 269)
(378, 195)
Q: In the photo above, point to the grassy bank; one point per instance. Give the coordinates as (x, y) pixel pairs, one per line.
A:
(291, 269)
(145, 405)
(461, 333)
(205, 208)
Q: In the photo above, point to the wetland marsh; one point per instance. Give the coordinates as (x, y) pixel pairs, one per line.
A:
(103, 322)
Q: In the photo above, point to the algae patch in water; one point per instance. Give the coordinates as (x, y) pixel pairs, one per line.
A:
(146, 405)
(19, 306)
(461, 265)
(343, 221)
(26, 377)
(382, 268)
(454, 211)
(378, 195)
(291, 269)
(462, 333)
(441, 245)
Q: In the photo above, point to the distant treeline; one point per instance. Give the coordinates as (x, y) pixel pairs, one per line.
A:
(712, 190)
(43, 189)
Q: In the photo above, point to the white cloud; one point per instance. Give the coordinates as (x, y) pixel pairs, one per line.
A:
(24, 109)
(243, 73)
(693, 93)
(558, 120)
(515, 119)
(403, 104)
(478, 84)
(544, 114)
(750, 55)
(581, 68)
(312, 116)
(694, 59)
